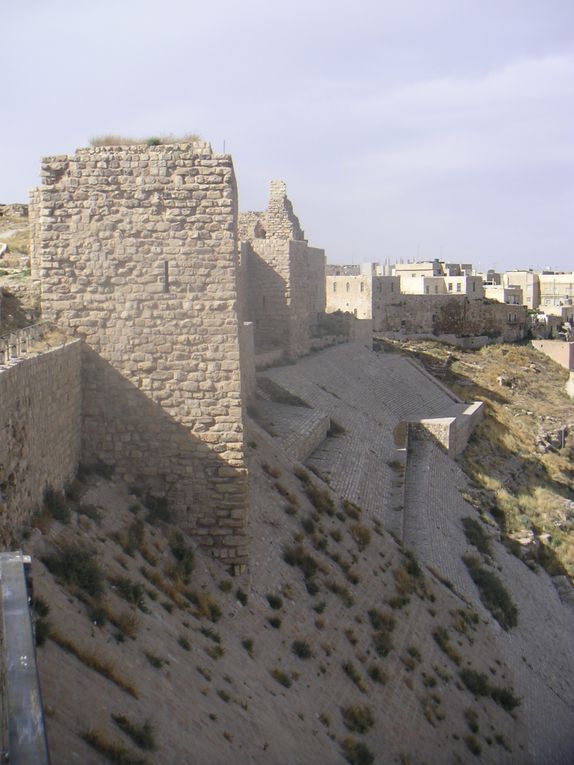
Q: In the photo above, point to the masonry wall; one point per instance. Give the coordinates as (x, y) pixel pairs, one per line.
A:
(285, 285)
(40, 426)
(446, 315)
(136, 248)
(350, 293)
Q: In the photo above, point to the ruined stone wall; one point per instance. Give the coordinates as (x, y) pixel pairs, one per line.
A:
(285, 285)
(306, 297)
(266, 295)
(137, 253)
(40, 427)
(447, 315)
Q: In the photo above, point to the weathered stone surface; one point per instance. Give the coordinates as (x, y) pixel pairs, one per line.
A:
(136, 250)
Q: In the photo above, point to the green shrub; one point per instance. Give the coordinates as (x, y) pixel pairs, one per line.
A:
(476, 682)
(475, 535)
(377, 674)
(77, 567)
(473, 745)
(383, 642)
(132, 592)
(493, 594)
(155, 661)
(505, 698)
(380, 620)
(320, 499)
(352, 510)
(356, 753)
(275, 601)
(350, 670)
(248, 645)
(281, 677)
(341, 591)
(442, 639)
(361, 534)
(141, 735)
(302, 649)
(158, 509)
(56, 505)
(41, 631)
(113, 752)
(184, 643)
(184, 556)
(358, 719)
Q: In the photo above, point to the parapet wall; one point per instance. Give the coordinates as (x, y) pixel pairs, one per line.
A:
(452, 433)
(40, 426)
(136, 248)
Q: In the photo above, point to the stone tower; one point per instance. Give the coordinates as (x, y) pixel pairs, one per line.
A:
(136, 251)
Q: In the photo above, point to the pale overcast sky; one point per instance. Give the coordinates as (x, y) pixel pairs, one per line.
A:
(404, 130)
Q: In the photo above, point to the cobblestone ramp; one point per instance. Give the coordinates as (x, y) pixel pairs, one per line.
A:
(368, 394)
(297, 429)
(544, 679)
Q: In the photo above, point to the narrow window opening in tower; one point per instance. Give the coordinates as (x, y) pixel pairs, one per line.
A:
(165, 276)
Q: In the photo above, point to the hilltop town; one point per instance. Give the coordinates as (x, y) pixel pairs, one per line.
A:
(273, 517)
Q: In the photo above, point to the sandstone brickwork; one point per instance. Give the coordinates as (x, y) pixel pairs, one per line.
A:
(40, 427)
(136, 250)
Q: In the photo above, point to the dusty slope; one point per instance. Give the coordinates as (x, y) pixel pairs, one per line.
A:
(218, 701)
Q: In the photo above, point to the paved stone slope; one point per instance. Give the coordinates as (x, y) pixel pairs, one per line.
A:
(368, 395)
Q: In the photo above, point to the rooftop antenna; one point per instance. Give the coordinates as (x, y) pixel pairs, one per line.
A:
(224, 145)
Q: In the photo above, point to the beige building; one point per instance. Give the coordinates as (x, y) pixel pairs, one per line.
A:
(363, 296)
(528, 282)
(556, 289)
(509, 295)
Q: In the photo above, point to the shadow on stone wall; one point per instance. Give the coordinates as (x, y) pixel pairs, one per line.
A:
(125, 428)
(267, 304)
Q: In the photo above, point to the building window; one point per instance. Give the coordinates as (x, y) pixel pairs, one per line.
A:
(474, 286)
(436, 289)
(334, 286)
(392, 286)
(348, 286)
(355, 312)
(362, 287)
(459, 287)
(427, 289)
(450, 286)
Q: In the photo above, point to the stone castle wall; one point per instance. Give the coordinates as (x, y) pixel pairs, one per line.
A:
(136, 249)
(285, 282)
(40, 427)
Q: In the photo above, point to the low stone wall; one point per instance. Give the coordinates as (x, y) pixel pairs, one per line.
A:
(452, 433)
(40, 426)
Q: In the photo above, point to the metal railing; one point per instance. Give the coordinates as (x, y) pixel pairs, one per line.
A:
(16, 344)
